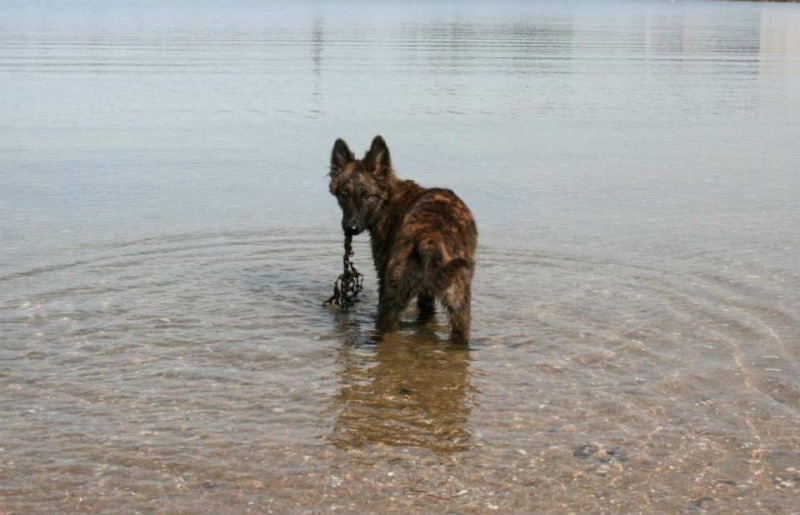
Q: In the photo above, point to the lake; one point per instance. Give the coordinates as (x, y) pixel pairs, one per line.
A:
(168, 240)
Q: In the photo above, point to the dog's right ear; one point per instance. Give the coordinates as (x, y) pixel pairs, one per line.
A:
(341, 156)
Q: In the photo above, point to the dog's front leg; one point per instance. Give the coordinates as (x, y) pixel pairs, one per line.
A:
(393, 297)
(388, 319)
(389, 310)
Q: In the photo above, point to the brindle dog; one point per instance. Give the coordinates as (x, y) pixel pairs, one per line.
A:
(423, 239)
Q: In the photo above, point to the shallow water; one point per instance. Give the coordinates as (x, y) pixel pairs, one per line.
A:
(168, 240)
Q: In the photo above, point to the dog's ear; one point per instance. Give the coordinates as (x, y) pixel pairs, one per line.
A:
(378, 160)
(341, 156)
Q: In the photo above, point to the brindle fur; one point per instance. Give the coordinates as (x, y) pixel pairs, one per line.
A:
(423, 239)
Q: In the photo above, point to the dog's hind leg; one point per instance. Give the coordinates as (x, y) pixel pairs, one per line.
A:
(460, 317)
(456, 295)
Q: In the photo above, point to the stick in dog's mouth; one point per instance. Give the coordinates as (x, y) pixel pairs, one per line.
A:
(350, 283)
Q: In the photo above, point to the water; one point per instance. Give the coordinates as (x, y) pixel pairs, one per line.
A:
(168, 239)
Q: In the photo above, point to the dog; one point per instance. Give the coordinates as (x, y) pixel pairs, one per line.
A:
(423, 239)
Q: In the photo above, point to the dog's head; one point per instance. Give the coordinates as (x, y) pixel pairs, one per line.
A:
(360, 186)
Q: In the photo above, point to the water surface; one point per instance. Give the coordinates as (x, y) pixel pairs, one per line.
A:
(168, 239)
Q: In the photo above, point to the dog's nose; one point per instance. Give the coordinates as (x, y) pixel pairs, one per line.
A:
(351, 228)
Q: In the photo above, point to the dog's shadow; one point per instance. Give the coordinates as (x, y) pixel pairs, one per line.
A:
(408, 388)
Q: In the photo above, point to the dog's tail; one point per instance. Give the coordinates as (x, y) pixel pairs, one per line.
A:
(450, 271)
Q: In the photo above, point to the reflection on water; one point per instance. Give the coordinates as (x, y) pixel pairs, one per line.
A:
(408, 390)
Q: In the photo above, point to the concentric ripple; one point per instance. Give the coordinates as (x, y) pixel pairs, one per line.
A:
(208, 359)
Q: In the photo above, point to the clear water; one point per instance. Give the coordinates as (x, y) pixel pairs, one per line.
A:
(168, 239)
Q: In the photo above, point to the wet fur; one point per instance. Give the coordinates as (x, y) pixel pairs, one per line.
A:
(423, 239)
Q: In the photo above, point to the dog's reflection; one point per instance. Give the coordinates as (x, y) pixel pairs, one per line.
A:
(408, 390)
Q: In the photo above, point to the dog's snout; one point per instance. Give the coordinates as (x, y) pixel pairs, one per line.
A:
(350, 226)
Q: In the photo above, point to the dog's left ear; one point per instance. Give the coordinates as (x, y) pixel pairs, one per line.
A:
(378, 160)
